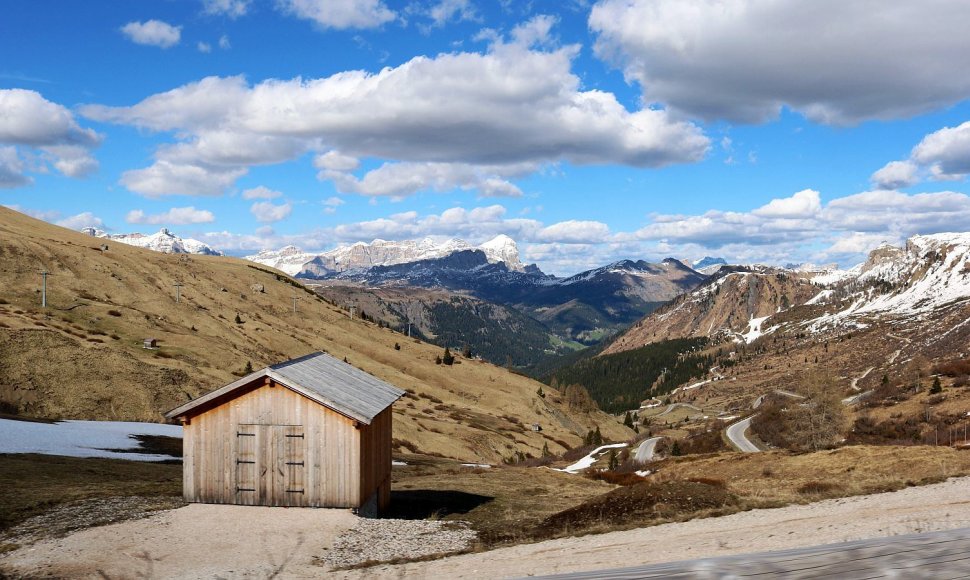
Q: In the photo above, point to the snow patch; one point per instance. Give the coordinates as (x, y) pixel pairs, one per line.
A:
(82, 438)
(590, 459)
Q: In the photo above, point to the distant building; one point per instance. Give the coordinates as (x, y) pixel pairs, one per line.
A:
(309, 432)
(151, 343)
(536, 427)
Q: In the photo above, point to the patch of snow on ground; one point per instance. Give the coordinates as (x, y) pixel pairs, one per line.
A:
(399, 463)
(82, 438)
(481, 465)
(754, 329)
(820, 297)
(591, 458)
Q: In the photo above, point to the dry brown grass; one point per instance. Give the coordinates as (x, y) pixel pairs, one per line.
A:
(778, 477)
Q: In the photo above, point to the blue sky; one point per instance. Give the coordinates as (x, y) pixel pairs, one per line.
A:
(756, 130)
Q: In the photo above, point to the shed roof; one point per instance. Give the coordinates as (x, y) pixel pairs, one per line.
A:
(321, 378)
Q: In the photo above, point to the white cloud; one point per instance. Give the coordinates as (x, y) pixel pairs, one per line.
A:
(153, 33)
(166, 178)
(575, 232)
(12, 169)
(898, 214)
(833, 61)
(804, 204)
(175, 216)
(946, 151)
(333, 201)
(81, 220)
(896, 175)
(231, 8)
(336, 161)
(340, 14)
(204, 47)
(224, 43)
(260, 192)
(399, 179)
(265, 211)
(30, 121)
(446, 11)
(485, 114)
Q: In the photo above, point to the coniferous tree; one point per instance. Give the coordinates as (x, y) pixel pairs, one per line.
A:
(448, 358)
(937, 387)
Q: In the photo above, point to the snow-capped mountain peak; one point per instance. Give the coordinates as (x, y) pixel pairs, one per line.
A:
(502, 248)
(163, 241)
(289, 259)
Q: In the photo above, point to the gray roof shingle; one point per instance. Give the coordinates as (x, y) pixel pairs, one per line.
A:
(322, 378)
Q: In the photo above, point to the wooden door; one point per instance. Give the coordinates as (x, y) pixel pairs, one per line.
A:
(271, 465)
(246, 467)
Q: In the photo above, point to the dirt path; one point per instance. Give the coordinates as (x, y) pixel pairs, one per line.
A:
(929, 508)
(209, 541)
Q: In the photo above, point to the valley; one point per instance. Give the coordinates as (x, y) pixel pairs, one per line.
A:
(642, 428)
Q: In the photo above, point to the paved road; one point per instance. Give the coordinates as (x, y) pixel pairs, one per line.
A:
(735, 433)
(645, 450)
(675, 405)
(940, 555)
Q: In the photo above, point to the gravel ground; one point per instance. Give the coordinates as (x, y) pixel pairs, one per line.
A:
(65, 519)
(389, 540)
(213, 541)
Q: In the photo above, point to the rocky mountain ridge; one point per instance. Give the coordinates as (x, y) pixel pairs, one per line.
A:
(927, 276)
(364, 255)
(163, 241)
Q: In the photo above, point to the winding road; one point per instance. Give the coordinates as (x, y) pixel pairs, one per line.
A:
(735, 434)
(645, 450)
(674, 406)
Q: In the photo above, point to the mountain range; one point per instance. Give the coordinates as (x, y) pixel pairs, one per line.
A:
(162, 241)
(908, 286)
(364, 255)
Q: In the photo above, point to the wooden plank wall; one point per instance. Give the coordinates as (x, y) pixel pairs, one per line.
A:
(375, 459)
(332, 474)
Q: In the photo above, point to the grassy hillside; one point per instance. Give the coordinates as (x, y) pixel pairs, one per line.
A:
(82, 357)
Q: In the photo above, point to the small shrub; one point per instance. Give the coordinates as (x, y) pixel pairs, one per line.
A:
(238, 319)
(115, 337)
(397, 346)
(114, 313)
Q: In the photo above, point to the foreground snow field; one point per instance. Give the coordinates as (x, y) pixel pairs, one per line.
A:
(82, 438)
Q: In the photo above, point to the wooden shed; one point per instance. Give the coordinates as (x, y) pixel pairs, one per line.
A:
(309, 432)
